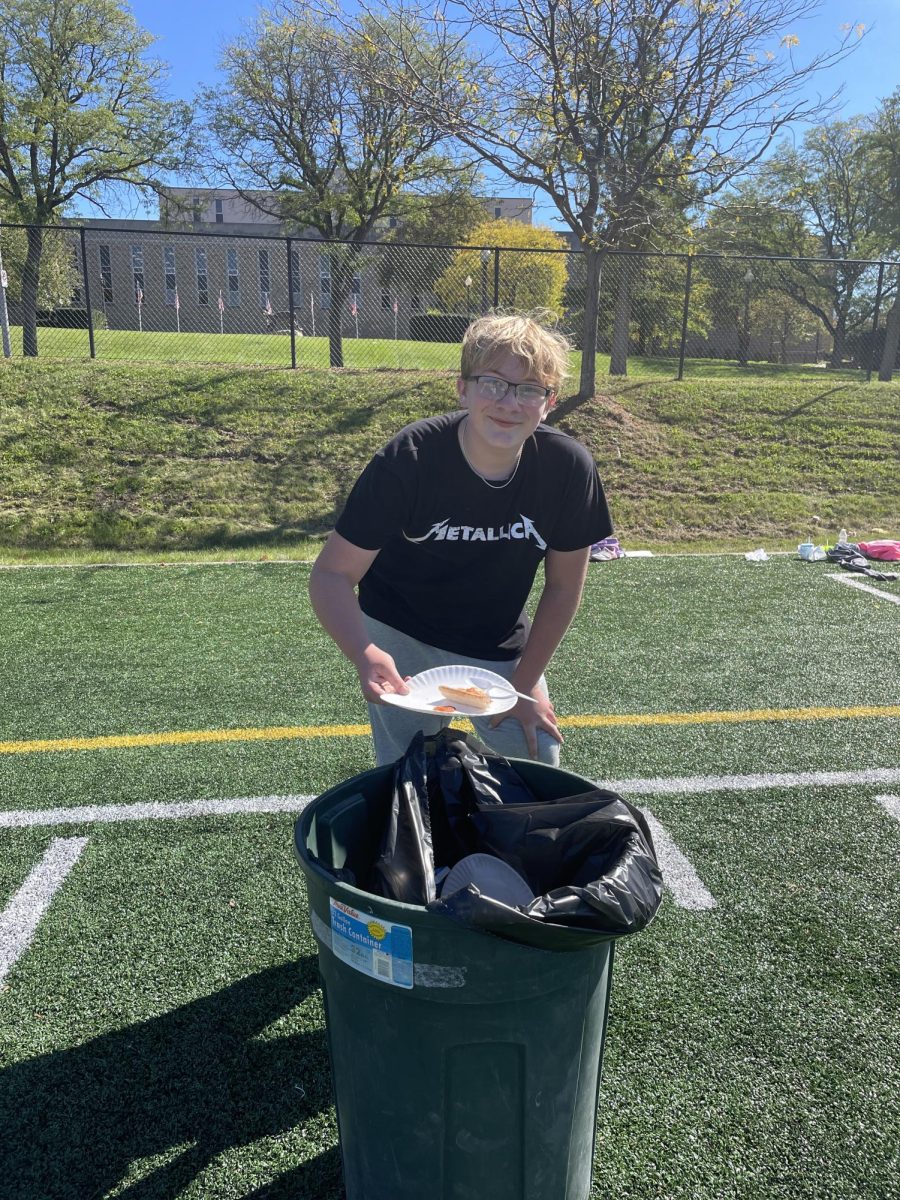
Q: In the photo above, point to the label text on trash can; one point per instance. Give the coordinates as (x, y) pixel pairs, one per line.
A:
(378, 948)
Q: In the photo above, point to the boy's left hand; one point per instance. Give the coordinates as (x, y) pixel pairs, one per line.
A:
(532, 717)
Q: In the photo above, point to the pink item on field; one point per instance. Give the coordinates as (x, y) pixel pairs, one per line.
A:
(888, 550)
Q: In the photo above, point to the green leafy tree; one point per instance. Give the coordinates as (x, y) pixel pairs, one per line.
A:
(884, 139)
(60, 274)
(657, 304)
(527, 279)
(615, 112)
(419, 248)
(81, 108)
(305, 129)
(818, 205)
(783, 323)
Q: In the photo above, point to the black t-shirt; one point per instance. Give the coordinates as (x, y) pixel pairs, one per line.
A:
(457, 556)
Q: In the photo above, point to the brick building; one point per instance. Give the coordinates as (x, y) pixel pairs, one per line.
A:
(213, 261)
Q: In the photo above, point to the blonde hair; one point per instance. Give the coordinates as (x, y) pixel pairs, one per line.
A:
(544, 351)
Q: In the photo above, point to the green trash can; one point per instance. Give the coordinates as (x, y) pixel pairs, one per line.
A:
(465, 1066)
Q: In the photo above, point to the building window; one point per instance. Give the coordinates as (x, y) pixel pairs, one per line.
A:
(106, 273)
(325, 281)
(392, 222)
(415, 302)
(171, 283)
(497, 210)
(196, 210)
(265, 278)
(386, 300)
(202, 277)
(233, 297)
(137, 271)
(220, 215)
(296, 281)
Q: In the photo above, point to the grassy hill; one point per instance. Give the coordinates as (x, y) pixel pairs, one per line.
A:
(108, 457)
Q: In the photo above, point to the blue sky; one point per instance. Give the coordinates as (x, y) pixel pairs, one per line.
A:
(191, 32)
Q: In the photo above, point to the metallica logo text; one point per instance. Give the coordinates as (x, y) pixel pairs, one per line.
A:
(520, 530)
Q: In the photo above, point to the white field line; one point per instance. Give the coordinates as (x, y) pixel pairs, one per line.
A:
(679, 875)
(864, 587)
(891, 805)
(683, 785)
(154, 811)
(690, 784)
(20, 919)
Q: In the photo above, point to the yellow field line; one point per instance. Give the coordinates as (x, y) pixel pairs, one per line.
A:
(280, 732)
(751, 714)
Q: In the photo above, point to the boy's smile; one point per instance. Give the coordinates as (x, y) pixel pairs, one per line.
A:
(496, 430)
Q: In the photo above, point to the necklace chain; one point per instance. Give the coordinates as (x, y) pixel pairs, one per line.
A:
(486, 482)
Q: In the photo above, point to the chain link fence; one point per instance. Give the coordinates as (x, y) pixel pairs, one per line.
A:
(141, 293)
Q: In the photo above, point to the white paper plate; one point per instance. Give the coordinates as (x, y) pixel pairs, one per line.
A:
(423, 695)
(492, 876)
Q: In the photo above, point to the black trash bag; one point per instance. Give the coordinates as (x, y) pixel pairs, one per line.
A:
(404, 868)
(464, 777)
(588, 859)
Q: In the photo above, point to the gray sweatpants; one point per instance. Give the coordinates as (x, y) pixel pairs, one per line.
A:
(394, 728)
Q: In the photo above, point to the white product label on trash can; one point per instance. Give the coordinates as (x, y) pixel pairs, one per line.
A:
(378, 948)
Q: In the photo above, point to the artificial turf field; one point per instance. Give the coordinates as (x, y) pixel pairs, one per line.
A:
(161, 1028)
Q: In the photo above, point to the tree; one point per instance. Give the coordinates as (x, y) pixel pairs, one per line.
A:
(884, 138)
(60, 273)
(80, 109)
(419, 248)
(613, 109)
(817, 204)
(304, 116)
(527, 279)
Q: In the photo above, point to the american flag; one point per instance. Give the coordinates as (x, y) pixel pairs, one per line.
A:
(353, 308)
(268, 309)
(177, 301)
(394, 307)
(139, 295)
(221, 302)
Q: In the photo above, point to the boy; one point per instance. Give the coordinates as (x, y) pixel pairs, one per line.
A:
(444, 531)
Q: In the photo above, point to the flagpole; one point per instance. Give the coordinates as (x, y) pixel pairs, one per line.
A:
(177, 312)
(140, 304)
(221, 313)
(312, 313)
(4, 311)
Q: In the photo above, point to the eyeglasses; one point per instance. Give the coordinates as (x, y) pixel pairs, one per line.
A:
(489, 387)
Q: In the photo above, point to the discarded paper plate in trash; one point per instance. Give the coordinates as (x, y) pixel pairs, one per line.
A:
(492, 876)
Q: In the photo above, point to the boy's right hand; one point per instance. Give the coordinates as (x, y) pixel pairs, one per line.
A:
(378, 674)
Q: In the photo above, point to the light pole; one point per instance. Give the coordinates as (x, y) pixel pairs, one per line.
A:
(467, 284)
(485, 259)
(744, 337)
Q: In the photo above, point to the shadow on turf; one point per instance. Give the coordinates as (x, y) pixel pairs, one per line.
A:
(181, 1088)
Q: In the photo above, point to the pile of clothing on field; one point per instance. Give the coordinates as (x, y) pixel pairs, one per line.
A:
(856, 556)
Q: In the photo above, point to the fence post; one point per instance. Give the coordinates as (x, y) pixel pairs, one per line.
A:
(684, 316)
(496, 277)
(875, 320)
(87, 294)
(290, 277)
